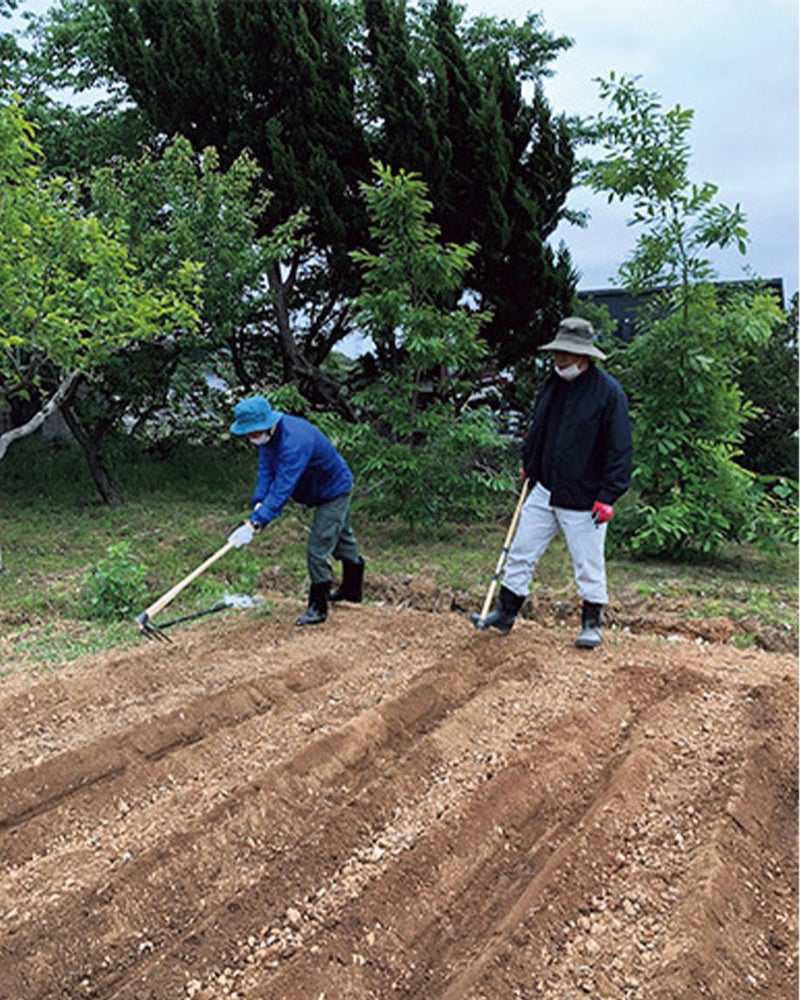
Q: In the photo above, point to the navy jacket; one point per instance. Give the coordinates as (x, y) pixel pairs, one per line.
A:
(298, 461)
(593, 448)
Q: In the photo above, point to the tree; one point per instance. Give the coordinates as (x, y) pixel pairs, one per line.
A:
(646, 159)
(315, 88)
(416, 446)
(70, 297)
(498, 167)
(399, 124)
(274, 78)
(682, 369)
(689, 416)
(166, 210)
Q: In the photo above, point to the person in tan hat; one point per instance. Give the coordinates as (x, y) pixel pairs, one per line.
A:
(577, 457)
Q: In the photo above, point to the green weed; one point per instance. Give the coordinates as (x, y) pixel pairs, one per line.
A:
(115, 588)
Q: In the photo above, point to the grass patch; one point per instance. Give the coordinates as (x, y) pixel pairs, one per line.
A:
(53, 532)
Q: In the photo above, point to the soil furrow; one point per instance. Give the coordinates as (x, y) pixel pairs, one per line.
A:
(397, 805)
(240, 818)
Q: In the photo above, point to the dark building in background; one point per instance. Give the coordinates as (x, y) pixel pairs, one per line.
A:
(623, 307)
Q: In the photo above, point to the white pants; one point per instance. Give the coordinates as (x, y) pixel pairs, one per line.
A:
(538, 525)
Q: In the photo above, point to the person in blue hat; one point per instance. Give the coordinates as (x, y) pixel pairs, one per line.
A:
(296, 460)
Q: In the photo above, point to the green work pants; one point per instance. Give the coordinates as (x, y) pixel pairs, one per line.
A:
(331, 535)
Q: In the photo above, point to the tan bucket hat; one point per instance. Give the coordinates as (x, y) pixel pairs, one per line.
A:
(575, 336)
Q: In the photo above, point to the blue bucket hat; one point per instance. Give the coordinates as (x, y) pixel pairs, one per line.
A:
(254, 414)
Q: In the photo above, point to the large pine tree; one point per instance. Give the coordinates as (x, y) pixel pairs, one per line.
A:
(500, 167)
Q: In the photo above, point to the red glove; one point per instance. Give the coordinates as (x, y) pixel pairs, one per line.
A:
(602, 512)
(523, 474)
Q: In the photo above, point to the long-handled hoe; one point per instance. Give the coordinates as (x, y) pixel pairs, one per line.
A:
(478, 619)
(148, 628)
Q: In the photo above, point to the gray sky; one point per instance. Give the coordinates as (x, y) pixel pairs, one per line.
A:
(735, 63)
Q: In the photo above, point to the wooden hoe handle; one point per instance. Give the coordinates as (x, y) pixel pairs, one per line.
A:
(506, 546)
(170, 595)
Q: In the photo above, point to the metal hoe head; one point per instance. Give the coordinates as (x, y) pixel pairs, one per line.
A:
(149, 630)
(152, 631)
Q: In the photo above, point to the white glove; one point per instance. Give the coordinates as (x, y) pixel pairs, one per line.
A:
(242, 536)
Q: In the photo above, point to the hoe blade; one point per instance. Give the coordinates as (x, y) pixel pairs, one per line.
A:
(150, 630)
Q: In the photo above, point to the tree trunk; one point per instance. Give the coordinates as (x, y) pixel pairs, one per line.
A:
(62, 392)
(107, 486)
(285, 338)
(312, 380)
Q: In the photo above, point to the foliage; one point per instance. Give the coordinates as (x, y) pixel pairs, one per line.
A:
(682, 369)
(170, 208)
(646, 159)
(775, 502)
(769, 381)
(275, 79)
(315, 89)
(417, 447)
(115, 588)
(498, 165)
(70, 295)
(688, 420)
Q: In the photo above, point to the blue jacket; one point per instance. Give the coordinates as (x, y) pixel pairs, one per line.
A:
(300, 462)
(593, 448)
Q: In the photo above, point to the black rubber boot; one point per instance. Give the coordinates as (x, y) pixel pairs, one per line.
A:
(590, 636)
(317, 610)
(505, 611)
(352, 585)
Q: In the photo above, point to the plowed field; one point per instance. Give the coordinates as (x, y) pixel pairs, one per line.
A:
(394, 804)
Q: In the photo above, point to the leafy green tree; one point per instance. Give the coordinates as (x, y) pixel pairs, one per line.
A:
(70, 296)
(11, 54)
(166, 210)
(416, 446)
(682, 369)
(646, 161)
(769, 381)
(689, 417)
(182, 205)
(61, 56)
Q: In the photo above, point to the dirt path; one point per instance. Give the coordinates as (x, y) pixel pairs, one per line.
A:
(395, 805)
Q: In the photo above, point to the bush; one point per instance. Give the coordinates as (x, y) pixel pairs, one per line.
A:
(769, 381)
(115, 588)
(688, 415)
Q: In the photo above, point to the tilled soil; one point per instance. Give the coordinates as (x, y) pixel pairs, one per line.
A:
(394, 804)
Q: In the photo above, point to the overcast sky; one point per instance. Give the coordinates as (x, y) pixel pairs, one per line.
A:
(735, 63)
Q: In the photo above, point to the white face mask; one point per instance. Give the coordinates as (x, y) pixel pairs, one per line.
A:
(262, 438)
(570, 373)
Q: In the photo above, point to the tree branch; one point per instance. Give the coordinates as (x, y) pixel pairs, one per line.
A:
(36, 421)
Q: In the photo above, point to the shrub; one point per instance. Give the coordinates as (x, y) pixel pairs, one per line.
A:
(115, 588)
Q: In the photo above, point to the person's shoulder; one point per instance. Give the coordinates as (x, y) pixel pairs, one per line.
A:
(300, 432)
(296, 424)
(608, 379)
(550, 382)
